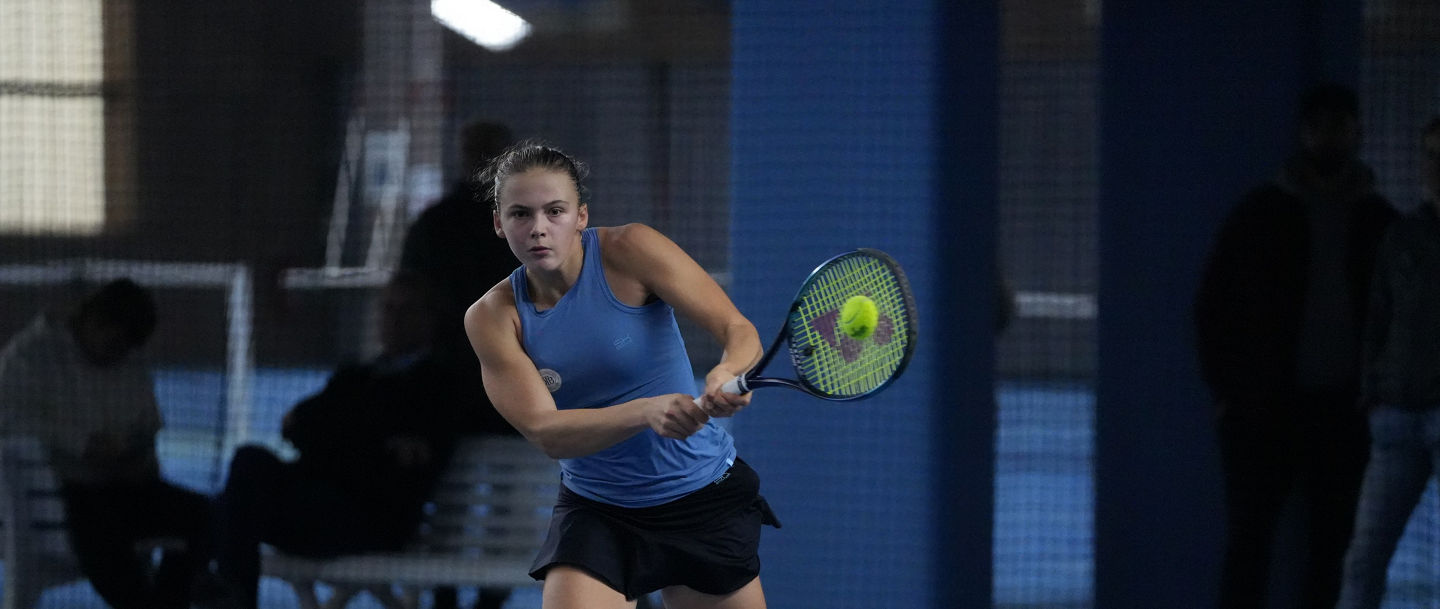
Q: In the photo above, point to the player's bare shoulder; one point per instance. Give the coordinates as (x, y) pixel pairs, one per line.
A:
(634, 256)
(634, 247)
(495, 308)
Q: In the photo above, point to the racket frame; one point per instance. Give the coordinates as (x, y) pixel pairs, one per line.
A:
(752, 379)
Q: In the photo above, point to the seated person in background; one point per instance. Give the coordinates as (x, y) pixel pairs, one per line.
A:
(76, 386)
(372, 444)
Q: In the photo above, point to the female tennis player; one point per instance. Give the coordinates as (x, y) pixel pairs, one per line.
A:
(580, 351)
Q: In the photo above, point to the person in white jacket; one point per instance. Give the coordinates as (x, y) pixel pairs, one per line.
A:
(77, 385)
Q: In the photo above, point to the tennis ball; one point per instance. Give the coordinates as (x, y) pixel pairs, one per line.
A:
(858, 317)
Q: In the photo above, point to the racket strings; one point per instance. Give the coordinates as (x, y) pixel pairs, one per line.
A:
(826, 358)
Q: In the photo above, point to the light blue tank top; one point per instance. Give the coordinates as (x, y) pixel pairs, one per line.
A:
(595, 351)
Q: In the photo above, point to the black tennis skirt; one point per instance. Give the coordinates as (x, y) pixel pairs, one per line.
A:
(707, 540)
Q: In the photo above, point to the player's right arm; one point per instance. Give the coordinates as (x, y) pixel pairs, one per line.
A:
(515, 388)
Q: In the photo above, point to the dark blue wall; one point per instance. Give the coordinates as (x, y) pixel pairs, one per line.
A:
(1197, 106)
(872, 124)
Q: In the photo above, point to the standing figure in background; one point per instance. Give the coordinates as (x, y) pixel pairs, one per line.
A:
(1278, 319)
(1400, 385)
(372, 445)
(453, 246)
(77, 386)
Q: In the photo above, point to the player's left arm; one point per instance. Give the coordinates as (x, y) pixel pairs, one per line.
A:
(642, 254)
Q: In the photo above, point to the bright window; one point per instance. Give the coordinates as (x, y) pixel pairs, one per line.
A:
(52, 176)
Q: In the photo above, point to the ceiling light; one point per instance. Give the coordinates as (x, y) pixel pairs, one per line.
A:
(485, 23)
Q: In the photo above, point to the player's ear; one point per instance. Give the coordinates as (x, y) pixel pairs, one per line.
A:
(584, 214)
(495, 218)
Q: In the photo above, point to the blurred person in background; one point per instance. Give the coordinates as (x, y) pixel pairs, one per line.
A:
(452, 244)
(371, 444)
(1278, 320)
(1401, 386)
(78, 386)
(454, 247)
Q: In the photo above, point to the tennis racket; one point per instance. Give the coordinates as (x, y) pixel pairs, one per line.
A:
(828, 363)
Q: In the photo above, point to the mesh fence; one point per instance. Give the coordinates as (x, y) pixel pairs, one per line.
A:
(1048, 253)
(258, 166)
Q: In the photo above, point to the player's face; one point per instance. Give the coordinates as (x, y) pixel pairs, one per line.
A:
(540, 216)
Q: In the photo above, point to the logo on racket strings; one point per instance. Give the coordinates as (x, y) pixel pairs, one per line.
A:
(551, 378)
(827, 326)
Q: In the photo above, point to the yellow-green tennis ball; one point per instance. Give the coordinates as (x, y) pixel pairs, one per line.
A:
(858, 317)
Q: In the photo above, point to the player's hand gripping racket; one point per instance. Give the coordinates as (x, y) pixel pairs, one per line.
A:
(843, 347)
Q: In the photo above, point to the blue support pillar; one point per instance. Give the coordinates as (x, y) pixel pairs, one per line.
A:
(872, 124)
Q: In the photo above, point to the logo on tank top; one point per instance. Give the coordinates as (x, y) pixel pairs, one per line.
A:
(551, 378)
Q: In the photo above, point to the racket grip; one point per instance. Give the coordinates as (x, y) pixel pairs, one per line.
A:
(735, 386)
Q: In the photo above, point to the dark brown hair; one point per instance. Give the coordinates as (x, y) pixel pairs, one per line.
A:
(532, 154)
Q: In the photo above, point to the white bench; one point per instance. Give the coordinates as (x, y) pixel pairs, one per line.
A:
(490, 512)
(32, 524)
(34, 542)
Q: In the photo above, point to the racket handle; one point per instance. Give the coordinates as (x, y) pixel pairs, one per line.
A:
(735, 386)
